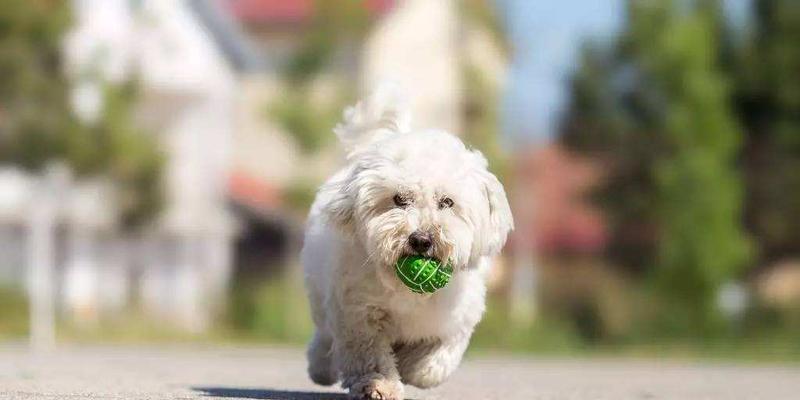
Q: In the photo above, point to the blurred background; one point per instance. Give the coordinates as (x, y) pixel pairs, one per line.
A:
(157, 160)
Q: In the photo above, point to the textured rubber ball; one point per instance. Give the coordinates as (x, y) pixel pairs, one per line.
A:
(423, 275)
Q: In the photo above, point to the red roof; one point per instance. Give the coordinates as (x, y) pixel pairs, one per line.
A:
(246, 189)
(559, 215)
(289, 11)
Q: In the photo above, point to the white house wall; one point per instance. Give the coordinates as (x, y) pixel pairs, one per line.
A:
(417, 46)
(188, 101)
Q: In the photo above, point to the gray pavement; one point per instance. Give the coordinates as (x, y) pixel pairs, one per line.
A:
(186, 372)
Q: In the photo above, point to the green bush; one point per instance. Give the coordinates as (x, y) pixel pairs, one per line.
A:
(13, 313)
(275, 311)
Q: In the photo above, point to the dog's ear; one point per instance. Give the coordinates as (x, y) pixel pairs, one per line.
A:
(340, 209)
(498, 221)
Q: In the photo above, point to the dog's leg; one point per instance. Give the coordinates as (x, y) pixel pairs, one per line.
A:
(364, 358)
(428, 363)
(320, 367)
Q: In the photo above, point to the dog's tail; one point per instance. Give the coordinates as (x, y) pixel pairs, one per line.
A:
(383, 112)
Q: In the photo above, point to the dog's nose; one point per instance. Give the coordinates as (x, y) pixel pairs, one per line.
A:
(420, 241)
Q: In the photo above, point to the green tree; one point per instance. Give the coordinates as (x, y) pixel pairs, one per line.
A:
(113, 146)
(36, 122)
(767, 97)
(698, 190)
(34, 108)
(655, 107)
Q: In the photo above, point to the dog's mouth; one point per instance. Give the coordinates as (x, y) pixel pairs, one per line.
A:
(431, 253)
(416, 254)
(423, 275)
(436, 260)
(437, 253)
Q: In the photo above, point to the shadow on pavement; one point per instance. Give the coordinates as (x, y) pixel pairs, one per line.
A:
(268, 394)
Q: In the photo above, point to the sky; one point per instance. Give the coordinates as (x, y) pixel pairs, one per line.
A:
(546, 36)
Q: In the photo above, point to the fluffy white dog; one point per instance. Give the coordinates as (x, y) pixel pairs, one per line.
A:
(402, 192)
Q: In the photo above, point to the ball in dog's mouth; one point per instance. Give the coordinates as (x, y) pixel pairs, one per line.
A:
(423, 274)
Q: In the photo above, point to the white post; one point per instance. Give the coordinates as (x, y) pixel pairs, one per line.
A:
(524, 274)
(81, 276)
(41, 256)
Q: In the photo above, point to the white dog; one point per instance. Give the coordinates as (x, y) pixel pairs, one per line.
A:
(402, 192)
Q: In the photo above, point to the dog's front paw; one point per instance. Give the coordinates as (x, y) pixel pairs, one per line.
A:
(375, 387)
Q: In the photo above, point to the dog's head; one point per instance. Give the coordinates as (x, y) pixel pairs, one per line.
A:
(420, 192)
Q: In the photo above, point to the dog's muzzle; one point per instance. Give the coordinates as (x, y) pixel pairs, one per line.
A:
(420, 242)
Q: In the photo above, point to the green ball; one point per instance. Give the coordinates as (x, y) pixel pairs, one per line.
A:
(423, 275)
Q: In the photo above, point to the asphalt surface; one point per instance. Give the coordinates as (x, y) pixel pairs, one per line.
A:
(279, 374)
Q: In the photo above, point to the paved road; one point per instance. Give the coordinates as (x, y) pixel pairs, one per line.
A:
(279, 374)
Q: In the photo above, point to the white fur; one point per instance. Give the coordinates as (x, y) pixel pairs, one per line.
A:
(372, 331)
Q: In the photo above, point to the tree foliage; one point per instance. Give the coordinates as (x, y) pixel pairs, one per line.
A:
(655, 107)
(37, 125)
(34, 111)
(698, 189)
(766, 68)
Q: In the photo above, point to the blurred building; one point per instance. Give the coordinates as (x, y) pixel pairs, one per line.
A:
(557, 186)
(553, 218)
(420, 47)
(208, 70)
(267, 159)
(178, 269)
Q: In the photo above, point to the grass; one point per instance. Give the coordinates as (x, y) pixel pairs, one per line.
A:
(13, 313)
(277, 314)
(276, 311)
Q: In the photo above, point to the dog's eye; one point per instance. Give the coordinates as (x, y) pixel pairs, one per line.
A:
(445, 202)
(401, 201)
